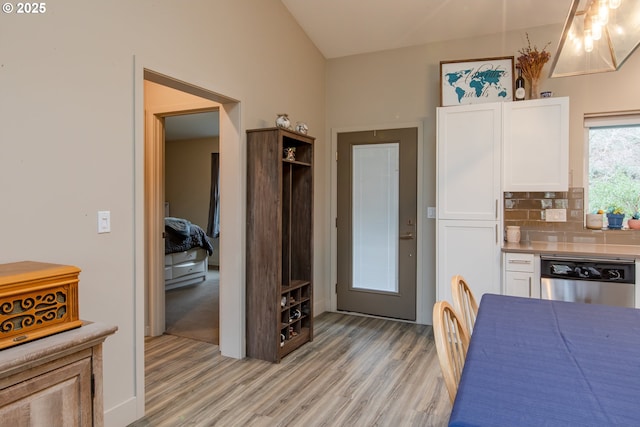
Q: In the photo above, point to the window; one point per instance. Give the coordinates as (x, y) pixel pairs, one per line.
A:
(613, 163)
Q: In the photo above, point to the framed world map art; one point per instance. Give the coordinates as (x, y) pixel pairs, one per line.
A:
(475, 81)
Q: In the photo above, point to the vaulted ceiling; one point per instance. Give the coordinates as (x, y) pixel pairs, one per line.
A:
(348, 27)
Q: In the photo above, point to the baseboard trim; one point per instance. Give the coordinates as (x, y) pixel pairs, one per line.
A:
(123, 414)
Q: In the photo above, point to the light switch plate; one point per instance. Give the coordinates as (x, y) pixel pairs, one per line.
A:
(104, 222)
(431, 212)
(555, 215)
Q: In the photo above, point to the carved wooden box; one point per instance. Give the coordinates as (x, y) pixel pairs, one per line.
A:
(36, 300)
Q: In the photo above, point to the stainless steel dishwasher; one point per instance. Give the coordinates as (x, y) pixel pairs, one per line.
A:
(588, 280)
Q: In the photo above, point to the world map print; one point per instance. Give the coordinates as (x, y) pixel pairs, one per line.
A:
(468, 85)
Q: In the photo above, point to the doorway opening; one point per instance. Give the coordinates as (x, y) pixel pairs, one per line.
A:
(192, 280)
(185, 98)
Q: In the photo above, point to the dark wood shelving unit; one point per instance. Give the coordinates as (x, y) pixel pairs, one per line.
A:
(279, 243)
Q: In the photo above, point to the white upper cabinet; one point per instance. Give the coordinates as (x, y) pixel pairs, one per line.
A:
(536, 145)
(468, 151)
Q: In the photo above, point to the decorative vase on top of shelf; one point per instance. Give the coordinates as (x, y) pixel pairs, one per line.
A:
(531, 61)
(282, 121)
(534, 89)
(302, 128)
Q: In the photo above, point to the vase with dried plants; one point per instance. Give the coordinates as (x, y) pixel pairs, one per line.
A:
(531, 61)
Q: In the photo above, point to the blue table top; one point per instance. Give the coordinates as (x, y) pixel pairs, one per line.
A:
(536, 362)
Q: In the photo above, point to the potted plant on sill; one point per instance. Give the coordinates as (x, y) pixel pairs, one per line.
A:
(595, 221)
(615, 215)
(634, 221)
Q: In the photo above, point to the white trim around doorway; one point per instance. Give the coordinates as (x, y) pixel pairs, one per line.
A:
(232, 219)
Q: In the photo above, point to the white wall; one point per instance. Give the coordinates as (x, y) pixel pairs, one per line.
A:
(402, 85)
(70, 126)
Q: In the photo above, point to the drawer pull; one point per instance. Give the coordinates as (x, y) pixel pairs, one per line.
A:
(519, 261)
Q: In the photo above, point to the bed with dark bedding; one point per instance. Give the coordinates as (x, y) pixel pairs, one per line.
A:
(187, 249)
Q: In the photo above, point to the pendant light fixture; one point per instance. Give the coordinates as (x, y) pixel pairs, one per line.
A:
(598, 36)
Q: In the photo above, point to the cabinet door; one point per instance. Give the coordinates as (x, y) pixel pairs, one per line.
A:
(61, 397)
(518, 284)
(536, 145)
(521, 276)
(468, 153)
(472, 249)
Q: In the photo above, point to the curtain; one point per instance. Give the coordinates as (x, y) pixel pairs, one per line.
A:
(213, 227)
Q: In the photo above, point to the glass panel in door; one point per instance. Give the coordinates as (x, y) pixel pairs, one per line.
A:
(375, 217)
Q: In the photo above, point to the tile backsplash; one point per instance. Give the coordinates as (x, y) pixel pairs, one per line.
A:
(527, 210)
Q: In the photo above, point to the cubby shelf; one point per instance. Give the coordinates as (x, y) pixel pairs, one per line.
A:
(279, 243)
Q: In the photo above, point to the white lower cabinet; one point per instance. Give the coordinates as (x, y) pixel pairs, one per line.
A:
(469, 248)
(521, 275)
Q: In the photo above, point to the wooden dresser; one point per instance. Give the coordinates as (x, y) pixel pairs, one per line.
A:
(56, 380)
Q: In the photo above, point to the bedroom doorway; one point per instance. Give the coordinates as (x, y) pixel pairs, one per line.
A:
(184, 98)
(161, 102)
(192, 149)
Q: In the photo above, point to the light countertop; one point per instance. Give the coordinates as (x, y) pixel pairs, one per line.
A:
(578, 249)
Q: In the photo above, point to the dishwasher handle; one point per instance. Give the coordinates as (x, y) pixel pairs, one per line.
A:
(591, 260)
(588, 270)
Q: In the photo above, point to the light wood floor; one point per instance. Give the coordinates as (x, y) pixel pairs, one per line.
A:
(358, 371)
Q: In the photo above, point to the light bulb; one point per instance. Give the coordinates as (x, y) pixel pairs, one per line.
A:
(577, 46)
(603, 12)
(588, 41)
(596, 29)
(614, 4)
